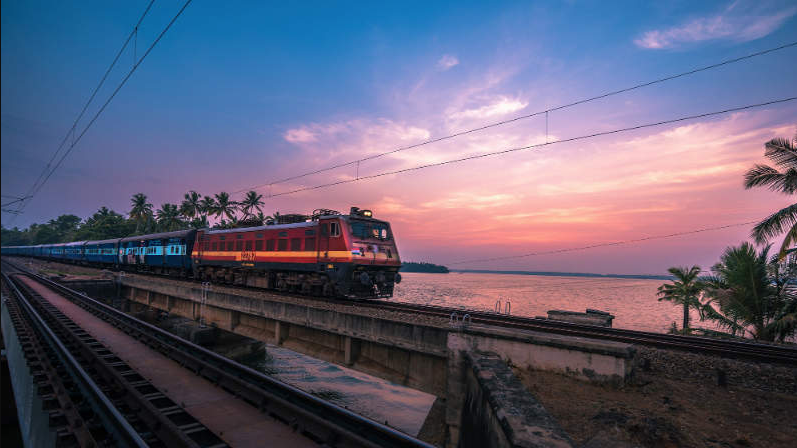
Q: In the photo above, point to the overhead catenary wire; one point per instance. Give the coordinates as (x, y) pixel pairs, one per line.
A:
(102, 108)
(523, 117)
(71, 131)
(609, 244)
(534, 146)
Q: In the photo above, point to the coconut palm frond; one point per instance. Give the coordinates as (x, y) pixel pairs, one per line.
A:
(773, 225)
(766, 176)
(782, 151)
(707, 312)
(789, 243)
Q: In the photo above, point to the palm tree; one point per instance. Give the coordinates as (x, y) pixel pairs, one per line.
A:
(261, 218)
(749, 298)
(275, 218)
(141, 211)
(169, 217)
(685, 290)
(252, 201)
(199, 223)
(784, 154)
(190, 206)
(207, 205)
(224, 206)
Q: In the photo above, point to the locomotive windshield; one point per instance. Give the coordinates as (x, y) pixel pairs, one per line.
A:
(376, 230)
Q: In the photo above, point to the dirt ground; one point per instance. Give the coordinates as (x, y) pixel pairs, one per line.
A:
(656, 412)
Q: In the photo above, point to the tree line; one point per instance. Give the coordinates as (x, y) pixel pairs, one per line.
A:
(195, 211)
(749, 292)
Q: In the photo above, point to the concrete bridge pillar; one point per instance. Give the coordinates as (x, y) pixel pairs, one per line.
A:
(281, 330)
(351, 348)
(456, 387)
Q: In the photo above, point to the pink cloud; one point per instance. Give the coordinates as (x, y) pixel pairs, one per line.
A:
(498, 107)
(733, 24)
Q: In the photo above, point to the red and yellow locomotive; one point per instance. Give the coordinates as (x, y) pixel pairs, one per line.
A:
(330, 254)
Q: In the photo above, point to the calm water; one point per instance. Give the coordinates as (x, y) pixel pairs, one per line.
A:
(633, 302)
(400, 407)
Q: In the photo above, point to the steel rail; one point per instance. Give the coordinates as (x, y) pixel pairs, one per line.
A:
(69, 414)
(114, 421)
(324, 421)
(152, 413)
(732, 349)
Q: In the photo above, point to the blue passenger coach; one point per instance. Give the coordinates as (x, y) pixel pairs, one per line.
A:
(168, 252)
(102, 252)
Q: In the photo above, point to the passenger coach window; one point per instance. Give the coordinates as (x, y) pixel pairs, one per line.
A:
(282, 244)
(296, 244)
(270, 245)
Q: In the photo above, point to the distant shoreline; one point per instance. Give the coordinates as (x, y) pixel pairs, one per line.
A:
(565, 274)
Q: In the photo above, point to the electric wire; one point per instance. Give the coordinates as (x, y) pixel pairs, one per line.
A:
(523, 117)
(91, 98)
(534, 146)
(100, 111)
(609, 244)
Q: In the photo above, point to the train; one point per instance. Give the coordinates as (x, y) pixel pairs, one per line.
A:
(326, 254)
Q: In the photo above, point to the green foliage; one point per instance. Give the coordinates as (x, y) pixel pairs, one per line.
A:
(685, 290)
(251, 203)
(141, 212)
(749, 293)
(224, 206)
(169, 218)
(104, 224)
(410, 266)
(192, 213)
(782, 179)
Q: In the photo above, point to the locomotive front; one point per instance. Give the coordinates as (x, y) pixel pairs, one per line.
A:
(375, 260)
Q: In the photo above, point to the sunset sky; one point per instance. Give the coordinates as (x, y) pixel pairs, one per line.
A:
(238, 94)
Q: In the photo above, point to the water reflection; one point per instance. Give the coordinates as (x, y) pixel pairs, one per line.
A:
(633, 302)
(401, 407)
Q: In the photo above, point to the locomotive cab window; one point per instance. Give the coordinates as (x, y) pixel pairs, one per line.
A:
(334, 229)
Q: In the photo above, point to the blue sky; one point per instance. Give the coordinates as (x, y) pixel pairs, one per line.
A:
(239, 93)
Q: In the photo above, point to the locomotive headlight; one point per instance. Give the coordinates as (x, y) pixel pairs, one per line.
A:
(367, 213)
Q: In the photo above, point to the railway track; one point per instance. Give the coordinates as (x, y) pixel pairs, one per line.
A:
(751, 351)
(79, 409)
(327, 424)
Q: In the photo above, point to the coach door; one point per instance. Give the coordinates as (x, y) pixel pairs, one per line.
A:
(199, 246)
(323, 243)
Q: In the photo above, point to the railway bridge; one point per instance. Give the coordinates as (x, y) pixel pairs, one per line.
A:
(460, 357)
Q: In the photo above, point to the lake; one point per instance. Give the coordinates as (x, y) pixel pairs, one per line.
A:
(633, 302)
